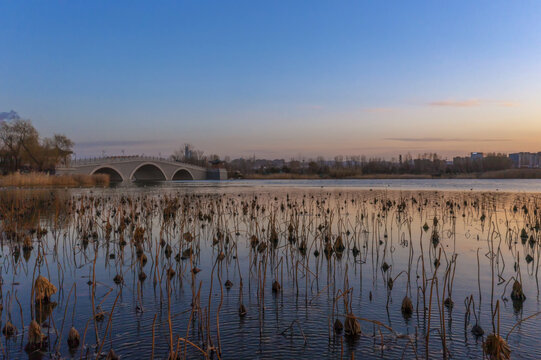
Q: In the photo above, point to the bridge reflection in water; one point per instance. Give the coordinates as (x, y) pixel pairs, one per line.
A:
(141, 168)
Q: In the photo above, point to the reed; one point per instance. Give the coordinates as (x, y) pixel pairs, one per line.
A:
(46, 180)
(316, 244)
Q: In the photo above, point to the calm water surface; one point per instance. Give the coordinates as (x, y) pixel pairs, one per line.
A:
(497, 185)
(257, 233)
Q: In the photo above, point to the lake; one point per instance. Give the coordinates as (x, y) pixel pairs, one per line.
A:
(274, 269)
(497, 185)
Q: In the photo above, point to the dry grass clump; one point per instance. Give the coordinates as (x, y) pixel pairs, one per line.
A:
(139, 235)
(9, 329)
(90, 180)
(512, 174)
(43, 289)
(407, 307)
(73, 338)
(517, 294)
(339, 244)
(352, 326)
(496, 348)
(42, 179)
(36, 339)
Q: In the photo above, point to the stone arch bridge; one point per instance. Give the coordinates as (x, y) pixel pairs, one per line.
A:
(141, 168)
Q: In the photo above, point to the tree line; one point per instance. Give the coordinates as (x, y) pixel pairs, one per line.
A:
(355, 165)
(22, 148)
(350, 165)
(188, 154)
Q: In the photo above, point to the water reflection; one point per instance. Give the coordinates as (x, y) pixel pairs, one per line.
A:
(197, 272)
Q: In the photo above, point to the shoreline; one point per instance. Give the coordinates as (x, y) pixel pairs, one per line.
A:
(510, 174)
(46, 181)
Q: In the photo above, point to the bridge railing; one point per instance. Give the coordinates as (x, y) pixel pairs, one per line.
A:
(119, 159)
(115, 159)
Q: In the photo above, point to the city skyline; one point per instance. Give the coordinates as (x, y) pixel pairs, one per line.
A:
(274, 79)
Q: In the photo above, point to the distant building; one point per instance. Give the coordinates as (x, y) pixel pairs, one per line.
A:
(515, 158)
(476, 156)
(526, 160)
(187, 152)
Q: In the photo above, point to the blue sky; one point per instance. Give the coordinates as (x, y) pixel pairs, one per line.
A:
(276, 78)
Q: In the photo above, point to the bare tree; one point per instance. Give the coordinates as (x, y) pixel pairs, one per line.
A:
(17, 137)
(20, 145)
(188, 154)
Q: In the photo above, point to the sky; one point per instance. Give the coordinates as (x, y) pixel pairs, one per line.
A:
(276, 79)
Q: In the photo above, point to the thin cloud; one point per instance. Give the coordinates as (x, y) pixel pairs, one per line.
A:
(505, 103)
(379, 110)
(472, 103)
(433, 139)
(456, 103)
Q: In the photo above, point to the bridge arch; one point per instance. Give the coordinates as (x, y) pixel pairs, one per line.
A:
(148, 171)
(182, 174)
(114, 174)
